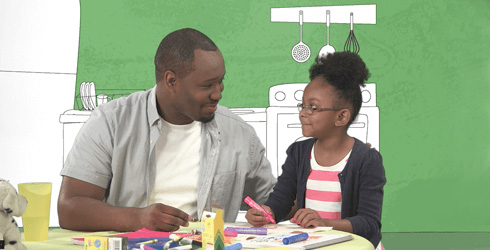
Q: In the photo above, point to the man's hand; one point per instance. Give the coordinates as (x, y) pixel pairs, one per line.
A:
(257, 218)
(81, 207)
(160, 217)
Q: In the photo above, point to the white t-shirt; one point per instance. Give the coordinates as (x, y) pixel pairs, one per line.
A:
(177, 152)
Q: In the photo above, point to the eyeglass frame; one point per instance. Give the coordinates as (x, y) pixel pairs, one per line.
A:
(311, 108)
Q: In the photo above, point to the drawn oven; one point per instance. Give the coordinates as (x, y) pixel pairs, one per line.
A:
(284, 127)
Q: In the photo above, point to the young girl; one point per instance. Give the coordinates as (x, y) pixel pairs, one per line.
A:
(335, 180)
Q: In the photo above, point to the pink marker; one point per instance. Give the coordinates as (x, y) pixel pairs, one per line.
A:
(254, 204)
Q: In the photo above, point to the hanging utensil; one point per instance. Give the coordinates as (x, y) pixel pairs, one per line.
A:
(327, 48)
(300, 52)
(351, 44)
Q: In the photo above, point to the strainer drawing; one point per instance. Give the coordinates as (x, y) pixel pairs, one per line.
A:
(300, 52)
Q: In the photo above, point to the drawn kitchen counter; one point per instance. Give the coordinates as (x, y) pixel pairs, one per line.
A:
(277, 126)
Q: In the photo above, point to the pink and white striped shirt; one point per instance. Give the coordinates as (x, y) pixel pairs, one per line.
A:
(323, 192)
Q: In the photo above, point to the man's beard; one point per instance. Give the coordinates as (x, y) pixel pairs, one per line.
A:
(206, 119)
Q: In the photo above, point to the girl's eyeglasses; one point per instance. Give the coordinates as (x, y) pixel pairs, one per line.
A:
(309, 109)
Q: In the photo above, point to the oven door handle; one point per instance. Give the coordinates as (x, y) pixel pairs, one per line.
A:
(358, 125)
(294, 125)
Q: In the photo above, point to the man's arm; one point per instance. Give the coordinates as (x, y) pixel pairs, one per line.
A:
(260, 181)
(81, 207)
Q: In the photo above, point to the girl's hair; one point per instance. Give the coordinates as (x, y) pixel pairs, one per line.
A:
(346, 72)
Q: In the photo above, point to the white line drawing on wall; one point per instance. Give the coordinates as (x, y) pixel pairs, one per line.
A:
(327, 49)
(73, 119)
(301, 52)
(284, 127)
(47, 88)
(351, 44)
(277, 126)
(365, 14)
(38, 67)
(87, 95)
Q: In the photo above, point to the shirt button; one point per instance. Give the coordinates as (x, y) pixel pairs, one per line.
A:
(151, 141)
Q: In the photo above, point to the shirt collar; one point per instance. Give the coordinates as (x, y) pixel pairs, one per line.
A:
(152, 110)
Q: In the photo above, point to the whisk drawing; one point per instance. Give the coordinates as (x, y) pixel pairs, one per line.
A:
(351, 44)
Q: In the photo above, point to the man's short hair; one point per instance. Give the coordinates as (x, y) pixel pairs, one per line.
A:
(176, 51)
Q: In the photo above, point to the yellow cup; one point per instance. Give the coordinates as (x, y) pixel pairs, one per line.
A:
(35, 219)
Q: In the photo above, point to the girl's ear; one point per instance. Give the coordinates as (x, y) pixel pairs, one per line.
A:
(343, 117)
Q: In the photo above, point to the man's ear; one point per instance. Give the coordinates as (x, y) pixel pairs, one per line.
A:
(343, 117)
(169, 78)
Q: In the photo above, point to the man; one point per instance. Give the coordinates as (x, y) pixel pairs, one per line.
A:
(157, 158)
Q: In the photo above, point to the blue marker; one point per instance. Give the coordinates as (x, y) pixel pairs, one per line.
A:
(236, 246)
(295, 238)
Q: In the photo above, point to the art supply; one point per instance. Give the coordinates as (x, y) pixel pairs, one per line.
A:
(173, 238)
(145, 247)
(150, 234)
(230, 233)
(148, 241)
(276, 241)
(295, 238)
(254, 204)
(248, 230)
(105, 243)
(186, 241)
(273, 248)
(236, 246)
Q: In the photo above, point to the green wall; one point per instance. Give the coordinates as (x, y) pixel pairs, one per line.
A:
(429, 59)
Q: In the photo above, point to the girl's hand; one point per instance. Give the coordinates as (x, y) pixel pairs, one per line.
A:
(306, 217)
(257, 218)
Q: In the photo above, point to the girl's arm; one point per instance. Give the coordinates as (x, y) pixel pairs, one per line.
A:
(281, 200)
(306, 217)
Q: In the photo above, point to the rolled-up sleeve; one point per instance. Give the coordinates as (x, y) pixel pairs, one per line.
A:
(90, 157)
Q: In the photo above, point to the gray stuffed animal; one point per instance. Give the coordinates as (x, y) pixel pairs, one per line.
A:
(11, 204)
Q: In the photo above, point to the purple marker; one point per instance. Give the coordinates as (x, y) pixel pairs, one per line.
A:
(248, 230)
